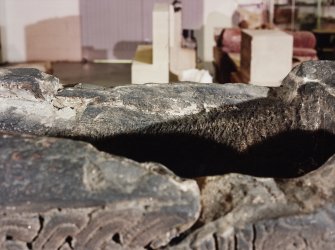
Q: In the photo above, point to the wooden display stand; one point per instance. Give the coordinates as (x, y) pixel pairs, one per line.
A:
(266, 56)
(154, 63)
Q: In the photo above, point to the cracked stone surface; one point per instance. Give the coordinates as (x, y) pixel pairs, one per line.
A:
(27, 108)
(263, 159)
(244, 212)
(54, 188)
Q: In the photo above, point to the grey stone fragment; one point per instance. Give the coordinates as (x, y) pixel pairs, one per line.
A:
(237, 209)
(320, 72)
(27, 84)
(73, 189)
(262, 137)
(243, 212)
(103, 112)
(304, 101)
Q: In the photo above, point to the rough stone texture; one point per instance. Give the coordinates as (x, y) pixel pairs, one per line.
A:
(243, 212)
(52, 190)
(28, 84)
(194, 130)
(292, 137)
(70, 112)
(319, 72)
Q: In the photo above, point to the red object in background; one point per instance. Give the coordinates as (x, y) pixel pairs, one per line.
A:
(304, 42)
(229, 41)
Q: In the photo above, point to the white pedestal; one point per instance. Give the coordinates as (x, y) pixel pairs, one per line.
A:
(154, 63)
(151, 63)
(181, 59)
(266, 56)
(143, 70)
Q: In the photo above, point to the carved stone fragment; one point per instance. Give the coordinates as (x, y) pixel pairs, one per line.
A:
(263, 159)
(244, 212)
(58, 193)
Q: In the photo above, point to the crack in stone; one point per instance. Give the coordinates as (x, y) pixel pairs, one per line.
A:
(235, 242)
(254, 237)
(216, 242)
(41, 224)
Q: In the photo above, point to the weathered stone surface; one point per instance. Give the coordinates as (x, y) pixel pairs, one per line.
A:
(262, 137)
(28, 84)
(103, 112)
(320, 72)
(197, 130)
(310, 87)
(57, 192)
(243, 212)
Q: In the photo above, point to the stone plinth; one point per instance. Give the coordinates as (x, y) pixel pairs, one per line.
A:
(151, 62)
(181, 59)
(266, 56)
(165, 59)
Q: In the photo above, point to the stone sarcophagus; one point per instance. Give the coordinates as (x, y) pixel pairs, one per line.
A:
(168, 166)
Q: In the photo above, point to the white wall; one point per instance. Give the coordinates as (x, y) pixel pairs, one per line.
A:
(21, 13)
(2, 29)
(192, 14)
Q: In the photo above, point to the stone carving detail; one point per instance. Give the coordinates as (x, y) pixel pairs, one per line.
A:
(62, 193)
(46, 203)
(85, 228)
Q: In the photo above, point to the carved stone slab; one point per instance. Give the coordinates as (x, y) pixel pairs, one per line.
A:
(63, 194)
(244, 212)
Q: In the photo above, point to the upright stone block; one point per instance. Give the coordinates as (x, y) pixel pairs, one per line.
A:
(160, 35)
(151, 63)
(181, 59)
(266, 56)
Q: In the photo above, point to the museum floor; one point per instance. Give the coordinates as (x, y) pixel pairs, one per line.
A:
(103, 74)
